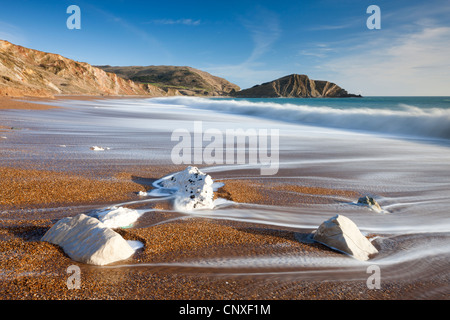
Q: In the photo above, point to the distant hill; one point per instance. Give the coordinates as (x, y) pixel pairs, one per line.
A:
(294, 86)
(176, 80)
(28, 72)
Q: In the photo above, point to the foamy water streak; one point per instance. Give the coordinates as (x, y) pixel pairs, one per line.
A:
(421, 251)
(310, 217)
(419, 258)
(407, 120)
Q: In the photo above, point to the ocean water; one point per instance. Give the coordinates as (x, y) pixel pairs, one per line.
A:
(396, 149)
(427, 117)
(408, 117)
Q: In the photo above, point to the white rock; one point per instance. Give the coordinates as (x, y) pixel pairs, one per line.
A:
(342, 234)
(85, 239)
(97, 148)
(194, 189)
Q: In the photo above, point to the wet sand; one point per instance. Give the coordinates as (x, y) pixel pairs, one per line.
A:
(35, 194)
(24, 103)
(32, 269)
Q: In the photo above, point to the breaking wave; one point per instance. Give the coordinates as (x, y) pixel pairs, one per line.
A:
(403, 120)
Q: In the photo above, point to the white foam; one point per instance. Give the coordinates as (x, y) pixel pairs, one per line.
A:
(408, 120)
(97, 148)
(217, 185)
(135, 244)
(372, 208)
(118, 217)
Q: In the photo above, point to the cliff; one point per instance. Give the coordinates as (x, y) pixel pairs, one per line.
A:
(176, 80)
(295, 86)
(28, 72)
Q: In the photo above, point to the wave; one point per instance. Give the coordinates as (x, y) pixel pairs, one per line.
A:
(405, 120)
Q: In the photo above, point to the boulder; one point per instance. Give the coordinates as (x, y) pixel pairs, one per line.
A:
(369, 202)
(342, 234)
(86, 239)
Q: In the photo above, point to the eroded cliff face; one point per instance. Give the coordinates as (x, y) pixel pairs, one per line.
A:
(28, 72)
(294, 86)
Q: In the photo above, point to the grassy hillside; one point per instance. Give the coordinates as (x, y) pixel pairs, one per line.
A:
(181, 80)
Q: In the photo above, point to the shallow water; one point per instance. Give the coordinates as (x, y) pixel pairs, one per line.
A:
(404, 164)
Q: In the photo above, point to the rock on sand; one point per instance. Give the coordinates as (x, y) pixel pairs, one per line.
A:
(370, 202)
(194, 189)
(85, 239)
(342, 234)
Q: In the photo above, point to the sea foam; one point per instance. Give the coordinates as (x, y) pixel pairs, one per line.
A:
(118, 217)
(404, 120)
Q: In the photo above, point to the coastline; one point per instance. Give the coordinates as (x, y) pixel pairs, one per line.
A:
(24, 103)
(28, 102)
(169, 267)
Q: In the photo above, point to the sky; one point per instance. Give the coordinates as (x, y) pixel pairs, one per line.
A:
(252, 42)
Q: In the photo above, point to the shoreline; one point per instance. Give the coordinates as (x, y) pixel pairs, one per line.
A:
(13, 103)
(27, 102)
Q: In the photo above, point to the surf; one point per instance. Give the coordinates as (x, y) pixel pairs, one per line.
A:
(401, 120)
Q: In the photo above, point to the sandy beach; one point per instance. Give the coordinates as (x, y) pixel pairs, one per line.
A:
(184, 256)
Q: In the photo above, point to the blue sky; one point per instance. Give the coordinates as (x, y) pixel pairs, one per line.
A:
(250, 42)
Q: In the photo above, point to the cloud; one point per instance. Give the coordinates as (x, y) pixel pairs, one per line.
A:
(317, 50)
(334, 27)
(264, 29)
(12, 33)
(187, 22)
(139, 32)
(403, 64)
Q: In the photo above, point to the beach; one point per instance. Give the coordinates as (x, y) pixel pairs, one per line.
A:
(255, 245)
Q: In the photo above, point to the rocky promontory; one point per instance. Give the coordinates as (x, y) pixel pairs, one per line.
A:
(295, 86)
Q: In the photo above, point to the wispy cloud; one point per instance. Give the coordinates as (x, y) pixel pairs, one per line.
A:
(11, 33)
(334, 27)
(136, 31)
(415, 63)
(422, 14)
(263, 27)
(186, 22)
(317, 50)
(408, 56)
